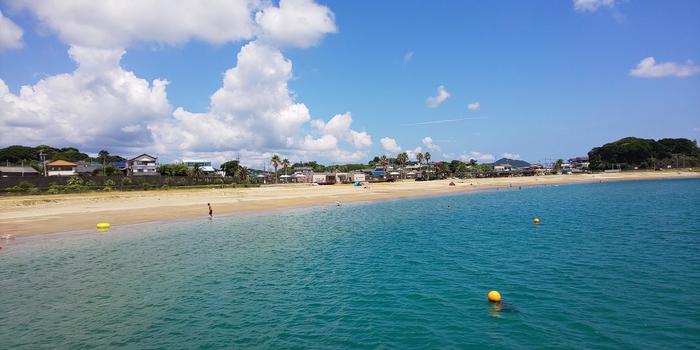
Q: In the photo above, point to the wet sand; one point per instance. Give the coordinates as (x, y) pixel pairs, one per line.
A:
(30, 215)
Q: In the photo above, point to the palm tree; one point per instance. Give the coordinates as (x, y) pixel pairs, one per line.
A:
(419, 158)
(401, 159)
(427, 163)
(557, 165)
(285, 166)
(276, 161)
(196, 173)
(384, 161)
(243, 172)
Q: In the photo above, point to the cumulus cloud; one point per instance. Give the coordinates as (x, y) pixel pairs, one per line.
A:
(473, 106)
(428, 142)
(477, 156)
(298, 23)
(254, 110)
(648, 68)
(592, 5)
(10, 34)
(102, 105)
(390, 145)
(442, 95)
(339, 127)
(119, 23)
(511, 156)
(407, 57)
(412, 153)
(99, 103)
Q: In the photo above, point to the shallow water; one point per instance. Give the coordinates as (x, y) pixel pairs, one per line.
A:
(610, 266)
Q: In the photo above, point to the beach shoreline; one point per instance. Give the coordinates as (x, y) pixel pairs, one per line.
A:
(33, 215)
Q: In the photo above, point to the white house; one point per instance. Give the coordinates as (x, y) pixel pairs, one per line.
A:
(62, 168)
(142, 165)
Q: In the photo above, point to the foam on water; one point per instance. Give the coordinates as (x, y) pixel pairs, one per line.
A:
(612, 265)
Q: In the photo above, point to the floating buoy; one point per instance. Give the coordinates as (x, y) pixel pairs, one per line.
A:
(103, 225)
(494, 296)
(537, 221)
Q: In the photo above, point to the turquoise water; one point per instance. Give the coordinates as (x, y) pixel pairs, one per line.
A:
(611, 266)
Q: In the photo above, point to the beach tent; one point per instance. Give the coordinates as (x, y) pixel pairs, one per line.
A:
(357, 183)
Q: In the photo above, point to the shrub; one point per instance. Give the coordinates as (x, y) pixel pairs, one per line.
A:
(25, 185)
(74, 180)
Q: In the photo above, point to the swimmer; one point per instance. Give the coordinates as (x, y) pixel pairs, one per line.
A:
(211, 215)
(448, 207)
(496, 308)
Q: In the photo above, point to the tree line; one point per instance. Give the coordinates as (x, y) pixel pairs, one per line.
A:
(632, 152)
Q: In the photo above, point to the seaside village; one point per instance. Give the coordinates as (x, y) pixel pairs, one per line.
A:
(145, 168)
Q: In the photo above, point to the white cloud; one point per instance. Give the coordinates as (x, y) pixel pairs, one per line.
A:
(390, 146)
(10, 34)
(428, 142)
(298, 23)
(414, 152)
(511, 156)
(339, 127)
(478, 156)
(442, 95)
(98, 105)
(696, 129)
(592, 5)
(102, 105)
(648, 68)
(407, 57)
(473, 106)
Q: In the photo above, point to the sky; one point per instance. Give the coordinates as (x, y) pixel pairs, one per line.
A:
(337, 81)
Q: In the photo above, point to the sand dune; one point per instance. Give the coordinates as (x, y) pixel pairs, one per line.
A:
(30, 215)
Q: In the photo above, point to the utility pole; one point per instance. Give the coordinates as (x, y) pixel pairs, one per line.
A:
(23, 167)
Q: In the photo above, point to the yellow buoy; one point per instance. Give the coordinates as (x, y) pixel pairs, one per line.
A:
(494, 296)
(103, 225)
(537, 221)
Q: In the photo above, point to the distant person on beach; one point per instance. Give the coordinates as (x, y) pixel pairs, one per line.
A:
(210, 211)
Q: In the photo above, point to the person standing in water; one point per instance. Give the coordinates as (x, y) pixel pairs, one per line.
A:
(210, 211)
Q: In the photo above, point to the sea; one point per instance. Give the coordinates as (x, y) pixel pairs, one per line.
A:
(611, 265)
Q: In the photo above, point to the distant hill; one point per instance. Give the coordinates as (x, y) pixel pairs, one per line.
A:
(514, 162)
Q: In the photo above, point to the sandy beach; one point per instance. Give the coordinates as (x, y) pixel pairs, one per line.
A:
(30, 215)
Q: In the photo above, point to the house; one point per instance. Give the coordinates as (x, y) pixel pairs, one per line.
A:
(142, 165)
(18, 171)
(119, 165)
(579, 163)
(84, 168)
(204, 164)
(62, 168)
(356, 176)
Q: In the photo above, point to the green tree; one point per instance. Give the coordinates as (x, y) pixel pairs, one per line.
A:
(427, 163)
(556, 167)
(384, 162)
(285, 165)
(196, 173)
(401, 160)
(231, 167)
(276, 161)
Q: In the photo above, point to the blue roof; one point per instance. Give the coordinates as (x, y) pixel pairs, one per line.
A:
(378, 173)
(118, 164)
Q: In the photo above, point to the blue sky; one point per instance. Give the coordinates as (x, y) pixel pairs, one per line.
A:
(344, 81)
